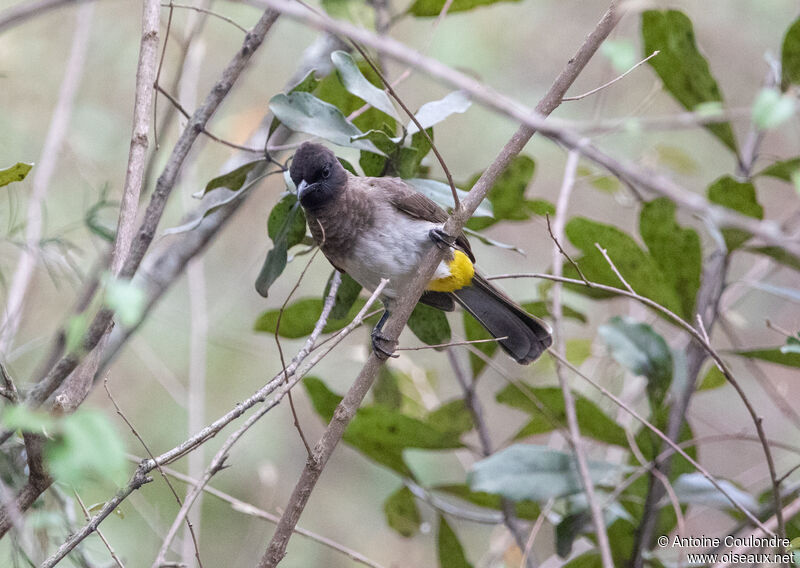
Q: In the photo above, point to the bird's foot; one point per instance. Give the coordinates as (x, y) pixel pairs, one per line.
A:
(442, 239)
(383, 346)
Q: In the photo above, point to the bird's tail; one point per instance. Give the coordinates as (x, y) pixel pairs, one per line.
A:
(525, 337)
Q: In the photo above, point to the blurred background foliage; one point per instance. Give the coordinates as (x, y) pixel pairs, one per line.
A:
(361, 502)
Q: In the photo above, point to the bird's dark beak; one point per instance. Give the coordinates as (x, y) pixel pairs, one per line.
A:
(302, 187)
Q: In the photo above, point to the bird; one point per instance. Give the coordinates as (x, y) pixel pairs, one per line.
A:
(375, 228)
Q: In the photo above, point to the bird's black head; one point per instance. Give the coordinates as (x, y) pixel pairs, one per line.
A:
(318, 175)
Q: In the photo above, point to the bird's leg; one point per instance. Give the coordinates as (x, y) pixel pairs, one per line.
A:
(442, 239)
(382, 345)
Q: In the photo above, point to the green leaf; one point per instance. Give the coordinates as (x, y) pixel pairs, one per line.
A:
(94, 218)
(346, 295)
(127, 299)
(429, 325)
(407, 161)
(524, 509)
(539, 473)
(287, 216)
(507, 195)
(306, 85)
(300, 317)
(637, 347)
(355, 82)
(88, 446)
(678, 159)
(434, 112)
(546, 407)
(676, 250)
(386, 390)
(713, 379)
(771, 108)
(451, 416)
(234, 179)
(739, 196)
(696, 489)
(474, 331)
(255, 176)
(586, 560)
(402, 513)
(784, 169)
(680, 65)
(20, 417)
(777, 254)
(790, 55)
(17, 172)
(429, 8)
(442, 194)
(76, 328)
(379, 432)
(638, 268)
(286, 227)
(539, 309)
(792, 345)
(303, 112)
(772, 356)
(620, 52)
(451, 553)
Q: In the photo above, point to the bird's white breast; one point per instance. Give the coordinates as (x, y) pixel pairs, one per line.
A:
(393, 251)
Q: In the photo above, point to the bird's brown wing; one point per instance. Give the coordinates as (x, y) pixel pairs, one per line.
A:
(416, 205)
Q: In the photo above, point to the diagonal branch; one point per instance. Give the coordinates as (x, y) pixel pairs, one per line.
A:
(408, 298)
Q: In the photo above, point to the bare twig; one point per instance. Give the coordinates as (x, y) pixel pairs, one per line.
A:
(612, 81)
(205, 130)
(452, 344)
(157, 466)
(18, 13)
(207, 12)
(87, 516)
(409, 297)
(575, 439)
(614, 268)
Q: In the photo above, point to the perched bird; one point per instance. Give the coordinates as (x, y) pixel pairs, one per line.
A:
(374, 228)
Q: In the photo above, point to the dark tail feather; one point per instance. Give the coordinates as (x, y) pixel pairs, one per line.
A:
(525, 336)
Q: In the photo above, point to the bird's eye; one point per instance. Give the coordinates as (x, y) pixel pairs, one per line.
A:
(326, 172)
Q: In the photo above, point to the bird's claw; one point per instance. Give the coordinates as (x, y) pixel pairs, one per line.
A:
(383, 346)
(442, 239)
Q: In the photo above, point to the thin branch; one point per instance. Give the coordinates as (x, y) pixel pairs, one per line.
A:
(575, 439)
(206, 11)
(616, 271)
(564, 253)
(452, 344)
(87, 516)
(205, 130)
(163, 475)
(612, 81)
(411, 294)
(23, 11)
